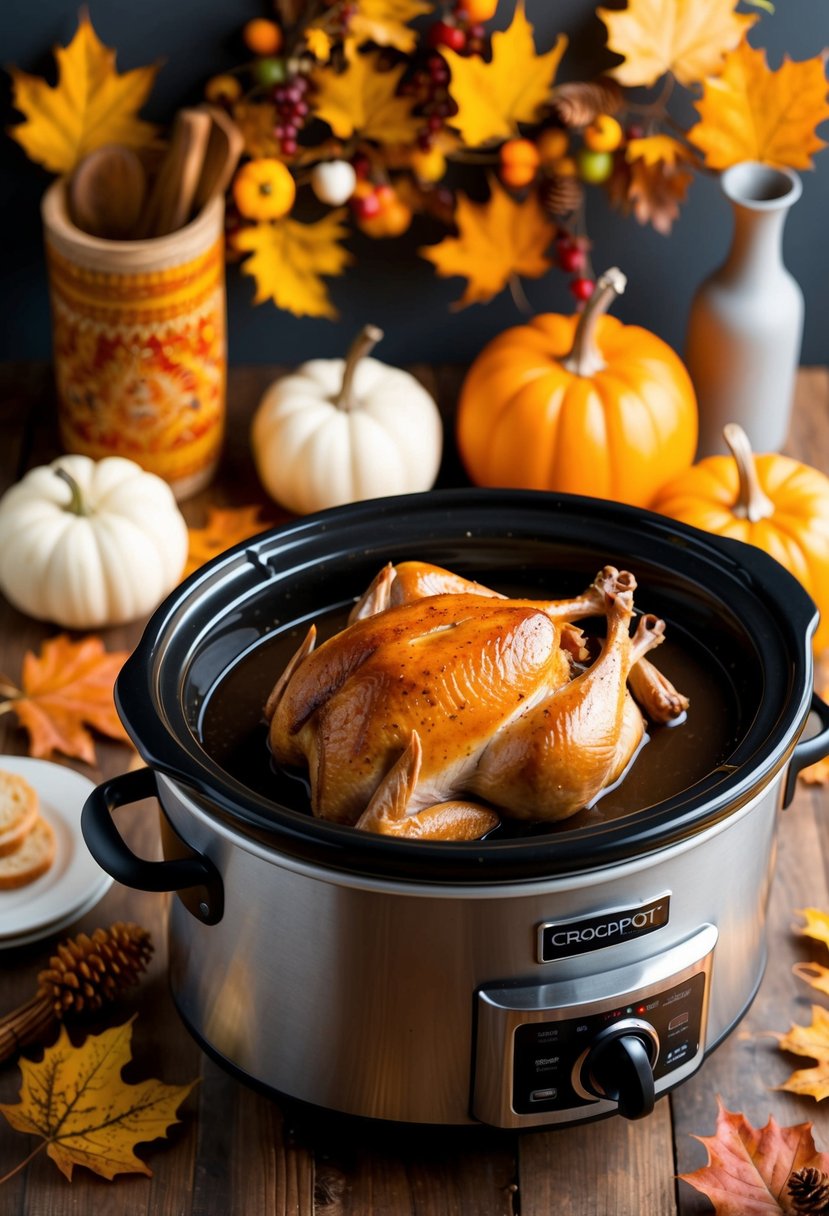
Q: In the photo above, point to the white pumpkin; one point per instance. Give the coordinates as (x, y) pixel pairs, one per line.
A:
(342, 430)
(88, 543)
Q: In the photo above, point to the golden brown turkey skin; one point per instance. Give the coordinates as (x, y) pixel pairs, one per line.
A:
(456, 669)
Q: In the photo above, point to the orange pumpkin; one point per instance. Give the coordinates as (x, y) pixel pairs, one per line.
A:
(771, 501)
(582, 405)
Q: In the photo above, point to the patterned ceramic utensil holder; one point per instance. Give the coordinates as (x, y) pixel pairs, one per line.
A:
(139, 343)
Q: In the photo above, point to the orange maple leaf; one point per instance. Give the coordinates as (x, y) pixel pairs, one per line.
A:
(76, 1101)
(750, 112)
(813, 1042)
(224, 528)
(496, 240)
(65, 689)
(749, 1169)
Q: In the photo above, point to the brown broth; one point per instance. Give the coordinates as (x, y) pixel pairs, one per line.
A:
(234, 733)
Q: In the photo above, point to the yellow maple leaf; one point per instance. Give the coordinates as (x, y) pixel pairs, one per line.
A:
(90, 105)
(751, 112)
(813, 1042)
(496, 240)
(362, 100)
(386, 22)
(224, 528)
(814, 974)
(75, 1099)
(686, 37)
(288, 260)
(651, 149)
(493, 97)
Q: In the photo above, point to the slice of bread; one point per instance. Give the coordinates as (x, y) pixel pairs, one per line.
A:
(31, 859)
(18, 811)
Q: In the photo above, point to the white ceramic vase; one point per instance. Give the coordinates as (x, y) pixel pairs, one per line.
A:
(746, 320)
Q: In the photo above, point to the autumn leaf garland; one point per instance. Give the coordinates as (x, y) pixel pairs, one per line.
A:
(401, 88)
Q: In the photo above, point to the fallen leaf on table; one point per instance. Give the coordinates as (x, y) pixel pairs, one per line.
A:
(496, 240)
(288, 261)
(65, 689)
(493, 97)
(814, 974)
(811, 1041)
(686, 37)
(749, 1169)
(363, 101)
(91, 105)
(386, 22)
(817, 924)
(76, 1100)
(751, 112)
(224, 528)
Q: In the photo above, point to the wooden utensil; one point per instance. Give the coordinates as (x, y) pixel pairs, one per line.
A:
(224, 147)
(106, 192)
(171, 198)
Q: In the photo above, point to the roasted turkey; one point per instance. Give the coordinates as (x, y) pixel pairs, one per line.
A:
(443, 705)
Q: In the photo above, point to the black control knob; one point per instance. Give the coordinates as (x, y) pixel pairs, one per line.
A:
(619, 1066)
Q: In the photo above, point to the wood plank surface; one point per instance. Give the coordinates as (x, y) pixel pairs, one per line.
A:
(237, 1153)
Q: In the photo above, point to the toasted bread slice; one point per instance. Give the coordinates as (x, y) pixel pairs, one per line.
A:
(31, 859)
(18, 811)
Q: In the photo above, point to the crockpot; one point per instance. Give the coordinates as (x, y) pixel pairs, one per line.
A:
(539, 977)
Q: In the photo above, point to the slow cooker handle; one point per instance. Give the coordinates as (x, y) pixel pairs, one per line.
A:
(809, 751)
(193, 872)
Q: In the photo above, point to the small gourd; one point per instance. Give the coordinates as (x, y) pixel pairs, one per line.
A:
(87, 543)
(580, 405)
(771, 501)
(338, 431)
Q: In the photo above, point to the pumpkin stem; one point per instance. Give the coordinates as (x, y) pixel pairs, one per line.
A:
(752, 502)
(585, 358)
(366, 340)
(76, 503)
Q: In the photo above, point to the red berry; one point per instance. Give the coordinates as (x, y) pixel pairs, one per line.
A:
(425, 141)
(564, 241)
(444, 34)
(635, 131)
(434, 122)
(289, 146)
(571, 259)
(367, 207)
(361, 165)
(582, 289)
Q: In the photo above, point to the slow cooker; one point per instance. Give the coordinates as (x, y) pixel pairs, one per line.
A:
(537, 977)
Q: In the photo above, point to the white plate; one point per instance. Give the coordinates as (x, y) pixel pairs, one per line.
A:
(74, 882)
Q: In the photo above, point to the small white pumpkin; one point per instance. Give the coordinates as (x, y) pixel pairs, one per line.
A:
(88, 543)
(337, 431)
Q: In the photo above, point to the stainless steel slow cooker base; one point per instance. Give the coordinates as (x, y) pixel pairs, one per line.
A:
(425, 1004)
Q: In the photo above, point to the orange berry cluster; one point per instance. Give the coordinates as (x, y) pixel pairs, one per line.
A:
(592, 162)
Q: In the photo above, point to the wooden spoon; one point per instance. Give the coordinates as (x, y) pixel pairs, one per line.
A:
(224, 147)
(106, 192)
(171, 198)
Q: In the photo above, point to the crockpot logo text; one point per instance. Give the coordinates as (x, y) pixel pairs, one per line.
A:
(563, 939)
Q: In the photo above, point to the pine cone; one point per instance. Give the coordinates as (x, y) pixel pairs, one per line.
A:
(580, 102)
(561, 195)
(809, 1189)
(85, 974)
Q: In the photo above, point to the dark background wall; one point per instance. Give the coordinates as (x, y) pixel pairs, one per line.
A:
(196, 38)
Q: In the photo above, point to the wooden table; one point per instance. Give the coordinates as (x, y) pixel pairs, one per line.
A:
(237, 1153)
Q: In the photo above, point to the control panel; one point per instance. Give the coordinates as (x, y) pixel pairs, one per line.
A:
(555, 1053)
